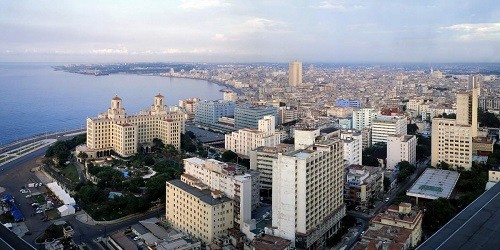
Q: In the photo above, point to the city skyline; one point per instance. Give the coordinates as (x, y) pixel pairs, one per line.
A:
(262, 31)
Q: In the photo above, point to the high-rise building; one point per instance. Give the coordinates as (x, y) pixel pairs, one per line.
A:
(244, 140)
(115, 131)
(472, 82)
(295, 74)
(261, 159)
(307, 194)
(353, 147)
(246, 116)
(452, 138)
(363, 118)
(401, 148)
(209, 112)
(383, 126)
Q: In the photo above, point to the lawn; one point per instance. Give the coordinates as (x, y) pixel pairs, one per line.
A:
(39, 198)
(71, 173)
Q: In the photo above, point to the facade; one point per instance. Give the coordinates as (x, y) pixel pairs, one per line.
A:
(367, 137)
(245, 140)
(287, 114)
(209, 112)
(345, 123)
(261, 159)
(295, 74)
(189, 106)
(489, 103)
(121, 133)
(353, 147)
(363, 183)
(246, 116)
(414, 104)
(348, 103)
(231, 180)
(402, 216)
(401, 148)
(307, 194)
(494, 174)
(452, 139)
(339, 111)
(362, 118)
(196, 210)
(388, 125)
(230, 96)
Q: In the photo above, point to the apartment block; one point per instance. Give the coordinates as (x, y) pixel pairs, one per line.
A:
(353, 147)
(245, 140)
(363, 183)
(362, 118)
(196, 210)
(209, 112)
(308, 194)
(115, 131)
(261, 159)
(247, 116)
(401, 148)
(384, 126)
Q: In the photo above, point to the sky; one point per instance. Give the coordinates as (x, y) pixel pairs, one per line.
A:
(250, 31)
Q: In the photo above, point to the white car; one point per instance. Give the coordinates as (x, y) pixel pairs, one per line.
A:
(28, 196)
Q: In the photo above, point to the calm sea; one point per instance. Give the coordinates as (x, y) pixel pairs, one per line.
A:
(35, 99)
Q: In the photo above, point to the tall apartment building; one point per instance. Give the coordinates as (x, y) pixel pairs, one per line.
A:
(209, 112)
(452, 138)
(295, 74)
(308, 194)
(362, 118)
(363, 183)
(115, 131)
(230, 179)
(287, 114)
(401, 148)
(366, 137)
(196, 210)
(261, 159)
(473, 82)
(353, 147)
(244, 140)
(246, 116)
(383, 126)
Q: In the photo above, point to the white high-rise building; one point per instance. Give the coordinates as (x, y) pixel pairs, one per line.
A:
(362, 118)
(401, 148)
(295, 74)
(305, 137)
(353, 147)
(307, 194)
(383, 126)
(244, 140)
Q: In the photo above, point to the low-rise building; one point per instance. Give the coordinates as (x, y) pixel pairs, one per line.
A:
(269, 242)
(433, 184)
(363, 183)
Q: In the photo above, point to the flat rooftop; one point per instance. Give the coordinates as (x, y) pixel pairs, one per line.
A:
(476, 227)
(434, 184)
(204, 195)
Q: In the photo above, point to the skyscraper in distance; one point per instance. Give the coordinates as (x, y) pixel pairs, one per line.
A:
(295, 74)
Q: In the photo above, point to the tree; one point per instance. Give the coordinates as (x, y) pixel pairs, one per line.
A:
(488, 119)
(405, 170)
(83, 156)
(158, 144)
(229, 156)
(387, 183)
(412, 129)
(155, 187)
(437, 213)
(149, 161)
(443, 165)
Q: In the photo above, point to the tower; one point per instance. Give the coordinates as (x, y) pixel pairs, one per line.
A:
(295, 74)
(116, 111)
(159, 107)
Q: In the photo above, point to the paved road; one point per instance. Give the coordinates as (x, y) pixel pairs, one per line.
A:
(55, 135)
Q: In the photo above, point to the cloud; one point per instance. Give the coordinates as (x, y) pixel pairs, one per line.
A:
(475, 31)
(120, 51)
(257, 24)
(220, 38)
(330, 5)
(202, 4)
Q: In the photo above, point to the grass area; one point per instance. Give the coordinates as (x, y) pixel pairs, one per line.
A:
(71, 173)
(39, 198)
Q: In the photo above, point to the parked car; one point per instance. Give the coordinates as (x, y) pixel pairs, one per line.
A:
(387, 199)
(28, 196)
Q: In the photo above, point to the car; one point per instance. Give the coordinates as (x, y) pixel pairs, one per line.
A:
(387, 199)
(39, 211)
(40, 184)
(362, 233)
(35, 204)
(28, 196)
(136, 238)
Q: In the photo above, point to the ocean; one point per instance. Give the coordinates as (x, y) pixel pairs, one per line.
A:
(35, 99)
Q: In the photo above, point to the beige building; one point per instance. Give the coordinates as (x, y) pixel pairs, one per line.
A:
(261, 159)
(452, 139)
(363, 183)
(307, 194)
(401, 148)
(116, 131)
(230, 96)
(295, 74)
(196, 210)
(414, 104)
(245, 140)
(384, 126)
(402, 216)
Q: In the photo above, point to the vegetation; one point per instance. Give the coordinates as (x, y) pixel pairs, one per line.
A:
(61, 150)
(405, 170)
(423, 150)
(230, 156)
(71, 173)
(412, 129)
(437, 214)
(373, 153)
(52, 232)
(448, 116)
(387, 183)
(487, 119)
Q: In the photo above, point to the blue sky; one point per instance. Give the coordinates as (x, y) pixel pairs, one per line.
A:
(250, 31)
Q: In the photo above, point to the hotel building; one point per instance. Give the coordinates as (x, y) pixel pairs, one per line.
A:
(116, 131)
(307, 194)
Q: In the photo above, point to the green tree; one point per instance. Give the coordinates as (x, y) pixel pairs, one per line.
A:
(487, 119)
(155, 187)
(437, 213)
(158, 144)
(443, 165)
(405, 170)
(387, 183)
(149, 161)
(229, 156)
(412, 129)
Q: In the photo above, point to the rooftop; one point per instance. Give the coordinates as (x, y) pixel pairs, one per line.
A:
(476, 227)
(204, 195)
(269, 242)
(434, 184)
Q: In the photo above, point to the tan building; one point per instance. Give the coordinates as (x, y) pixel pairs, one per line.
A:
(401, 148)
(198, 211)
(402, 216)
(117, 131)
(452, 139)
(295, 74)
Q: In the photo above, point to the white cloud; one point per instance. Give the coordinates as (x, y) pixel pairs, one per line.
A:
(262, 25)
(220, 38)
(119, 51)
(203, 4)
(331, 5)
(475, 31)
